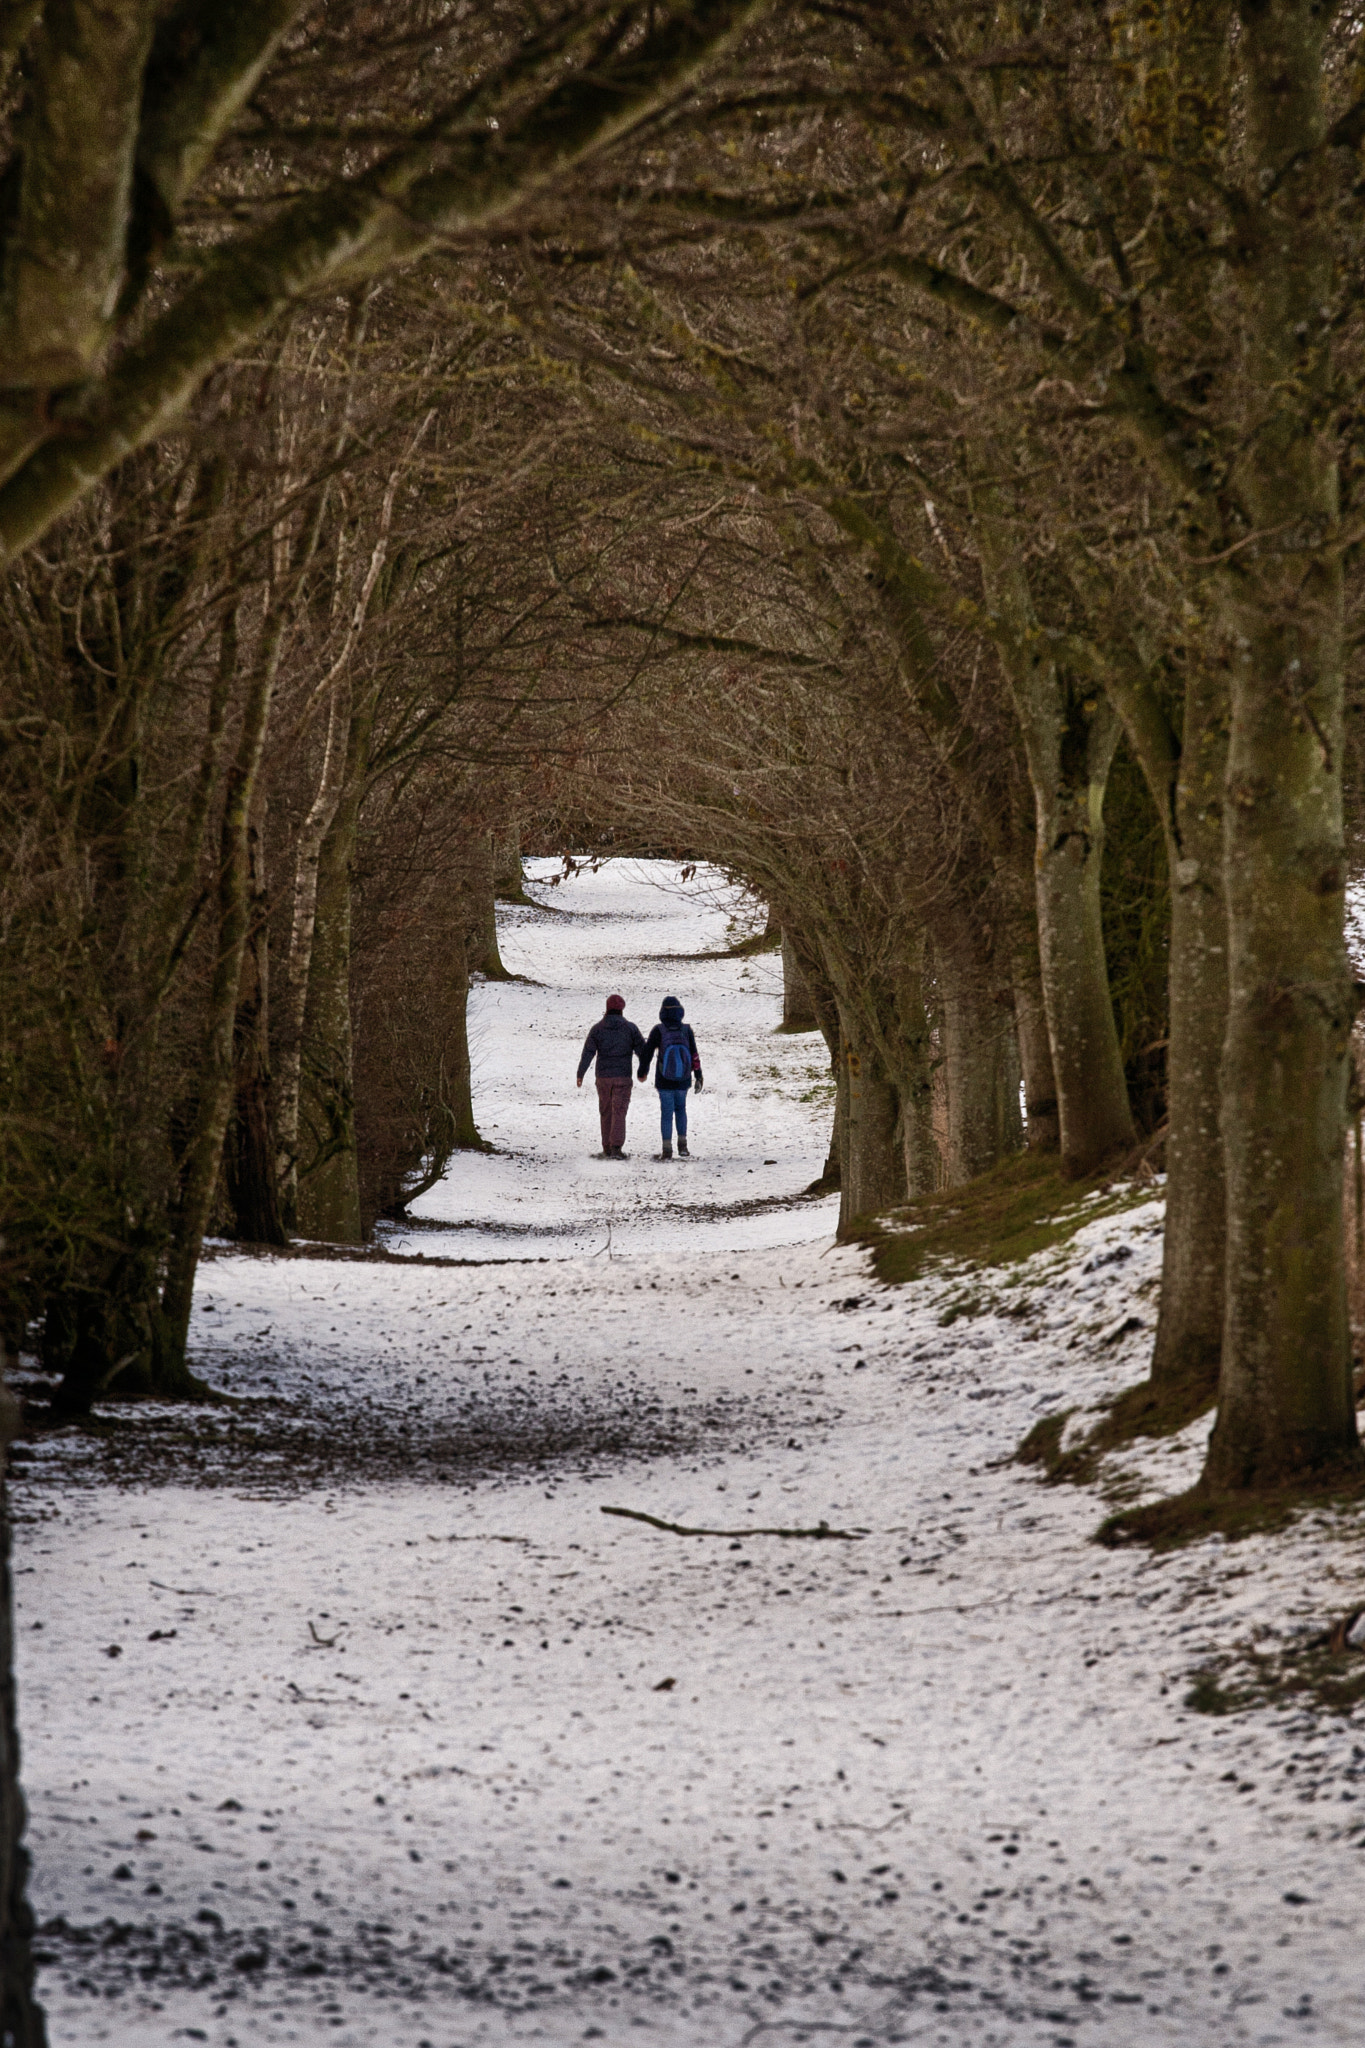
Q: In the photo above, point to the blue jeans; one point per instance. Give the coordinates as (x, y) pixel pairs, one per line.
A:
(673, 1103)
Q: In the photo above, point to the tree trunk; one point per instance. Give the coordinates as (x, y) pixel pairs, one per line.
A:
(484, 957)
(1069, 740)
(509, 879)
(204, 1155)
(302, 926)
(798, 1012)
(1042, 1124)
(1092, 1090)
(1286, 1408)
(467, 1135)
(1189, 1335)
(915, 1074)
(826, 1012)
(873, 1175)
(328, 1163)
(249, 1158)
(21, 2017)
(980, 1057)
(1018, 897)
(1186, 777)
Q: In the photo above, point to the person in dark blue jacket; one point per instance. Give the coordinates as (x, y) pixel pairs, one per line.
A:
(679, 1061)
(612, 1042)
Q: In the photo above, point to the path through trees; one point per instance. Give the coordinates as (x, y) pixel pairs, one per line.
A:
(384, 1727)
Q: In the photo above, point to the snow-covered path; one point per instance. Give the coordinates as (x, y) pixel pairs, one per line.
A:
(759, 1130)
(406, 1742)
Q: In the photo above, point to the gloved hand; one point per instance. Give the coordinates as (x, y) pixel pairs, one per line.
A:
(700, 1083)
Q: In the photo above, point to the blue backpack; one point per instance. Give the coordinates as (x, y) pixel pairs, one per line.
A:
(675, 1061)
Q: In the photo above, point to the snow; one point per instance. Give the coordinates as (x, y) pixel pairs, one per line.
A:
(447, 1756)
(755, 1138)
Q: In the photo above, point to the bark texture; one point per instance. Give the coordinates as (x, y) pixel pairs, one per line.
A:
(1189, 1337)
(826, 1011)
(980, 1058)
(873, 1165)
(21, 2017)
(446, 181)
(204, 1153)
(1042, 1124)
(328, 1166)
(1070, 733)
(1286, 1407)
(249, 1155)
(798, 1012)
(915, 1075)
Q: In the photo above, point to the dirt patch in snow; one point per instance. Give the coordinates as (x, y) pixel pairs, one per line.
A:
(283, 1445)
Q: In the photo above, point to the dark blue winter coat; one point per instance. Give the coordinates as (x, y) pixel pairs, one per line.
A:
(670, 1017)
(611, 1042)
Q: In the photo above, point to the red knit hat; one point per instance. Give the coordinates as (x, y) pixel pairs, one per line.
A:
(616, 1002)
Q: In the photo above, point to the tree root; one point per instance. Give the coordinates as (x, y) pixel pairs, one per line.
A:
(821, 1532)
(1251, 1511)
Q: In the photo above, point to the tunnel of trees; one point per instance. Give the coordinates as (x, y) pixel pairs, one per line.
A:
(907, 457)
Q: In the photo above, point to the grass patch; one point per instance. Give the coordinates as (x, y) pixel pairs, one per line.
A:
(1043, 1447)
(1021, 1207)
(1186, 1517)
(1143, 1410)
(1327, 1669)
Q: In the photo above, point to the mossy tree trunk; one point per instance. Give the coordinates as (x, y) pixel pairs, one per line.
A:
(482, 897)
(980, 1054)
(1042, 1124)
(1189, 1336)
(1184, 764)
(914, 1038)
(509, 876)
(873, 1165)
(1070, 732)
(1286, 1408)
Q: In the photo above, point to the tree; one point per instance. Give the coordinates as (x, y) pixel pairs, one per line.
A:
(135, 115)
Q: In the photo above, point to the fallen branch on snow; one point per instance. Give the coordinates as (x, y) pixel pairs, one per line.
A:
(821, 1530)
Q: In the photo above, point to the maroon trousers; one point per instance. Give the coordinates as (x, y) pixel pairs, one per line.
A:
(613, 1100)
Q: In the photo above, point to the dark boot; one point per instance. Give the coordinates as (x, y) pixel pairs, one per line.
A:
(683, 1152)
(667, 1152)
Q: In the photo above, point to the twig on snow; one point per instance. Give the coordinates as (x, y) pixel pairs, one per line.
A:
(820, 1531)
(803, 2026)
(864, 1827)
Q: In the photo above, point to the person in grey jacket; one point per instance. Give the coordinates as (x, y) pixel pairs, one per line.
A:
(613, 1042)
